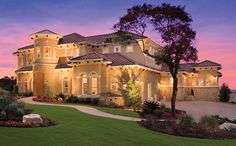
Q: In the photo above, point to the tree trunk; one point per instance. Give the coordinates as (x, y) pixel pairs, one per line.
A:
(174, 94)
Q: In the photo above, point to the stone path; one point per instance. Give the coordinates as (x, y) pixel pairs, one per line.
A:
(84, 109)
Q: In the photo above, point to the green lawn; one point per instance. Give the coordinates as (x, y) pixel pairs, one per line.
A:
(76, 128)
(118, 111)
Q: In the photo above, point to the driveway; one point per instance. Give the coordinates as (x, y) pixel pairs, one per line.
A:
(197, 109)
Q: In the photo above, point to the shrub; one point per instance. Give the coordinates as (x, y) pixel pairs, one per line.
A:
(28, 94)
(72, 99)
(149, 106)
(61, 95)
(186, 121)
(224, 93)
(158, 113)
(133, 92)
(94, 101)
(209, 122)
(10, 108)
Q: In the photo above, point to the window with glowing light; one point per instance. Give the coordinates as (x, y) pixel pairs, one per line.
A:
(94, 82)
(65, 85)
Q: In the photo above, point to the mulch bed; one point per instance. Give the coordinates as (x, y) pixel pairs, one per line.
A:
(169, 126)
(19, 124)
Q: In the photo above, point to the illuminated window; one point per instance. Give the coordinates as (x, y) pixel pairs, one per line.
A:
(129, 49)
(194, 82)
(201, 82)
(46, 52)
(29, 57)
(117, 49)
(94, 83)
(38, 52)
(84, 84)
(65, 85)
(149, 91)
(208, 82)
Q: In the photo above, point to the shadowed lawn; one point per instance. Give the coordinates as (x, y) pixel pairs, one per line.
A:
(118, 111)
(76, 128)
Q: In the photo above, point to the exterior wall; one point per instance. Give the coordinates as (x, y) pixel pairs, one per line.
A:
(25, 82)
(201, 85)
(144, 77)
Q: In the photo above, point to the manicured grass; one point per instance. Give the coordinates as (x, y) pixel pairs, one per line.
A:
(76, 128)
(118, 111)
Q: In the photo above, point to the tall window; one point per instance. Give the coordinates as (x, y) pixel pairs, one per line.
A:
(65, 85)
(47, 52)
(84, 84)
(38, 52)
(94, 83)
(201, 82)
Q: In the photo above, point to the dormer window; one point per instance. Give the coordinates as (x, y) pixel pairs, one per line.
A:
(117, 49)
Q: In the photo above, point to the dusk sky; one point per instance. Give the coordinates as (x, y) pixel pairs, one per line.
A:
(213, 20)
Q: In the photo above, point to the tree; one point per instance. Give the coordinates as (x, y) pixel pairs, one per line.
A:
(173, 25)
(127, 77)
(224, 93)
(134, 95)
(8, 83)
(135, 21)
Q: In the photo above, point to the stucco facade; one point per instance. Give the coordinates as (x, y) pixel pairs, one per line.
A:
(91, 66)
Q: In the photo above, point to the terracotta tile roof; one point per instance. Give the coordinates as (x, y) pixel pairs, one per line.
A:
(189, 67)
(116, 58)
(103, 37)
(71, 38)
(207, 63)
(75, 37)
(46, 31)
(27, 47)
(26, 68)
(62, 63)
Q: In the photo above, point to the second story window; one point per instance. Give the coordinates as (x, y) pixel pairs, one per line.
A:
(117, 49)
(47, 52)
(38, 52)
(129, 49)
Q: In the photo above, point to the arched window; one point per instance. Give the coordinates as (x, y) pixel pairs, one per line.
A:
(65, 85)
(47, 52)
(84, 83)
(94, 83)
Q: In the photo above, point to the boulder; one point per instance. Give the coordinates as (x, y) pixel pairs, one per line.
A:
(32, 118)
(227, 126)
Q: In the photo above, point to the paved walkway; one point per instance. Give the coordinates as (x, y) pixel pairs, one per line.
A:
(197, 109)
(84, 109)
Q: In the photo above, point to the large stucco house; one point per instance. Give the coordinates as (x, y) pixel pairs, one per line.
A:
(91, 65)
